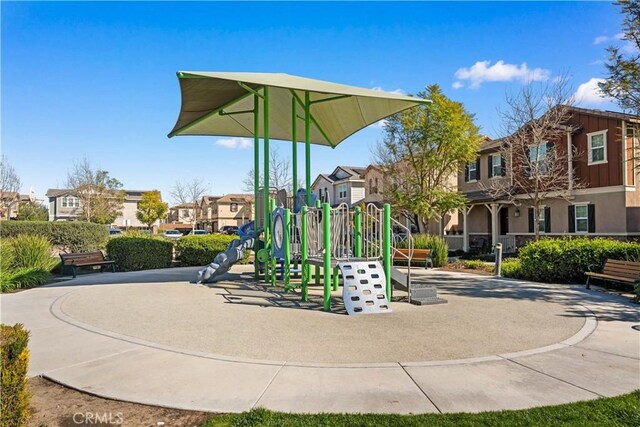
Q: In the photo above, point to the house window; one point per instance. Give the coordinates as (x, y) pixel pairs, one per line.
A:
(70, 202)
(542, 219)
(342, 191)
(582, 219)
(538, 157)
(472, 170)
(376, 188)
(597, 147)
(496, 166)
(234, 207)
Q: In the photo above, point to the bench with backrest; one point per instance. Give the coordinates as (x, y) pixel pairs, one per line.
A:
(85, 259)
(422, 255)
(617, 271)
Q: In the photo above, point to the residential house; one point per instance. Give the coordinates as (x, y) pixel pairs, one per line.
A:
(344, 185)
(10, 203)
(65, 205)
(181, 214)
(604, 187)
(207, 212)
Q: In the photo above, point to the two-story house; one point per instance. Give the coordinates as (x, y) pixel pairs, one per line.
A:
(65, 205)
(344, 185)
(215, 212)
(10, 203)
(602, 151)
(181, 214)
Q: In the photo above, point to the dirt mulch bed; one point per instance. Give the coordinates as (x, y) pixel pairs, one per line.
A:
(55, 405)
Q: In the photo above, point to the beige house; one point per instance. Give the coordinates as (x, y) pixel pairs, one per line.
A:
(181, 214)
(215, 212)
(344, 185)
(65, 205)
(606, 203)
(10, 204)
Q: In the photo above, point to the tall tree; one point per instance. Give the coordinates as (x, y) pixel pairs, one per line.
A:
(421, 153)
(31, 211)
(280, 174)
(536, 123)
(9, 183)
(623, 67)
(189, 194)
(101, 196)
(151, 208)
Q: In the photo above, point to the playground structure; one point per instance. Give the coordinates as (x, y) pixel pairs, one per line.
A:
(354, 243)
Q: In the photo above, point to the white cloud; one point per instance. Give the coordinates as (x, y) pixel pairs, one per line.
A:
(457, 85)
(397, 91)
(604, 39)
(235, 142)
(589, 93)
(483, 71)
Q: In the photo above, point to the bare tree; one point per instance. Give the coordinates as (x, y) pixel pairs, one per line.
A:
(189, 194)
(540, 164)
(101, 196)
(280, 174)
(9, 183)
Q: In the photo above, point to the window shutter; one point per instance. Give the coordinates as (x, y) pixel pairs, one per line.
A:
(591, 211)
(572, 218)
(478, 168)
(466, 173)
(551, 155)
(526, 172)
(531, 219)
(547, 219)
(503, 166)
(490, 163)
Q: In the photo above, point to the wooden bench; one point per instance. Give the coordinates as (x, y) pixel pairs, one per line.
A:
(478, 245)
(423, 255)
(85, 259)
(617, 271)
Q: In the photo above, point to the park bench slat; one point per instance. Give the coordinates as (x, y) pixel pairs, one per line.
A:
(617, 271)
(85, 259)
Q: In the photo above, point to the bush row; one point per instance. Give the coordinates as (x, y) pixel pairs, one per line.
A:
(201, 250)
(72, 236)
(14, 399)
(140, 253)
(566, 260)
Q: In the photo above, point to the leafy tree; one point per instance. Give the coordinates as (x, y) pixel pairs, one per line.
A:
(623, 82)
(101, 196)
(423, 149)
(31, 211)
(151, 208)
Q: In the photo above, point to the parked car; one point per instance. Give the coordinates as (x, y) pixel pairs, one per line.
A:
(115, 232)
(198, 232)
(172, 234)
(229, 229)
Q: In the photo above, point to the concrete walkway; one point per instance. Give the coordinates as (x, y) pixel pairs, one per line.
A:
(601, 359)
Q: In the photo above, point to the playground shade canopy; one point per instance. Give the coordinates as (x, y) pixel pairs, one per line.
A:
(221, 104)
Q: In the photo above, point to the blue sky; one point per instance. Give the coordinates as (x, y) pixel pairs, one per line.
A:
(97, 80)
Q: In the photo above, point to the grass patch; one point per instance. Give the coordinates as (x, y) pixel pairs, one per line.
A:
(613, 411)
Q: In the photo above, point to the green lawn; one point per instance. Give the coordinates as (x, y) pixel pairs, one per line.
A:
(615, 411)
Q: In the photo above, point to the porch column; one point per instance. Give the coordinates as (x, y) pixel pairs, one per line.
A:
(465, 229)
(494, 224)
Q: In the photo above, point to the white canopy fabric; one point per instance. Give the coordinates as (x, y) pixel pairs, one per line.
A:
(209, 100)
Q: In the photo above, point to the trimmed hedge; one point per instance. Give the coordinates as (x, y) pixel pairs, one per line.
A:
(201, 250)
(512, 268)
(566, 260)
(140, 253)
(14, 399)
(71, 236)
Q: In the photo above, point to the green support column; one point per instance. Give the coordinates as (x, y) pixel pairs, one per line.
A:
(307, 145)
(265, 137)
(294, 155)
(303, 255)
(386, 246)
(287, 248)
(326, 223)
(256, 177)
(358, 232)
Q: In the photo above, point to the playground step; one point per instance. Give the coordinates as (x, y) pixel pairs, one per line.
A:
(428, 301)
(423, 292)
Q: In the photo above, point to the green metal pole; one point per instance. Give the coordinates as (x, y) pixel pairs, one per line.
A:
(303, 255)
(326, 223)
(307, 145)
(287, 247)
(294, 155)
(256, 178)
(386, 248)
(358, 232)
(265, 188)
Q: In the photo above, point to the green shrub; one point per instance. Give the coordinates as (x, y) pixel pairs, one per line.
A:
(23, 278)
(566, 260)
(140, 253)
(438, 246)
(14, 399)
(478, 265)
(72, 236)
(26, 261)
(511, 268)
(201, 250)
